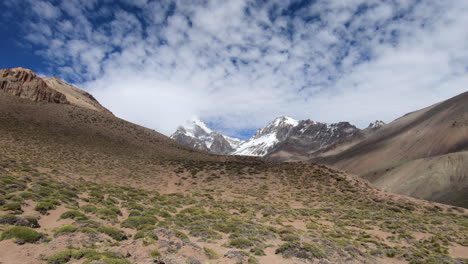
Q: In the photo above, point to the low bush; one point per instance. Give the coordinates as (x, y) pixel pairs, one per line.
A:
(65, 229)
(21, 234)
(16, 207)
(29, 221)
(90, 255)
(113, 232)
(241, 243)
(211, 254)
(89, 208)
(155, 253)
(73, 215)
(137, 222)
(43, 207)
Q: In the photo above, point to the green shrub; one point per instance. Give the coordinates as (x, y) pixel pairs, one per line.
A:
(16, 207)
(91, 255)
(65, 256)
(65, 229)
(257, 251)
(252, 260)
(155, 253)
(89, 208)
(87, 223)
(289, 237)
(43, 207)
(17, 199)
(106, 213)
(286, 246)
(181, 235)
(107, 258)
(8, 219)
(88, 230)
(211, 254)
(241, 243)
(27, 195)
(73, 214)
(29, 221)
(137, 222)
(143, 234)
(21, 233)
(316, 252)
(113, 232)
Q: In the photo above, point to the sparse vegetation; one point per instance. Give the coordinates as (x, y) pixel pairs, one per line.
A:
(330, 219)
(113, 232)
(74, 215)
(241, 243)
(91, 255)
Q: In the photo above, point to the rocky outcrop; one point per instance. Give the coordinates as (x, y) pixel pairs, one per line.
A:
(75, 95)
(220, 145)
(26, 84)
(311, 138)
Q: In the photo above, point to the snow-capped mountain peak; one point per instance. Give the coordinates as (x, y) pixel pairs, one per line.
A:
(195, 122)
(279, 122)
(376, 124)
(266, 138)
(196, 134)
(285, 120)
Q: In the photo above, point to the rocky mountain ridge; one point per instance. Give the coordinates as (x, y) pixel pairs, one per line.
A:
(283, 133)
(24, 83)
(196, 134)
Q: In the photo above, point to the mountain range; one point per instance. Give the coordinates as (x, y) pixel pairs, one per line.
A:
(283, 135)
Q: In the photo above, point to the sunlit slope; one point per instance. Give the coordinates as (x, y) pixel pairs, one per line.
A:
(430, 132)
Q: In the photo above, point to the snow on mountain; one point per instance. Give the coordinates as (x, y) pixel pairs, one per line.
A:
(234, 142)
(257, 146)
(266, 138)
(376, 124)
(196, 134)
(313, 137)
(283, 134)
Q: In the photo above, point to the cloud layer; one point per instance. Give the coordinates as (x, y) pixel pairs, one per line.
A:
(239, 63)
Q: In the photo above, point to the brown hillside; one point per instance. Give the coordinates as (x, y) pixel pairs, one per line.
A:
(436, 130)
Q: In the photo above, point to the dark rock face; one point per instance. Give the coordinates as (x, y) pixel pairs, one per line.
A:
(220, 145)
(309, 137)
(25, 84)
(193, 142)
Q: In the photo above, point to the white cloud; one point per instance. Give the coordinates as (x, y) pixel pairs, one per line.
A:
(45, 9)
(241, 63)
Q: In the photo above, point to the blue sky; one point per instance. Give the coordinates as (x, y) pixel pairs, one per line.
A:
(237, 64)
